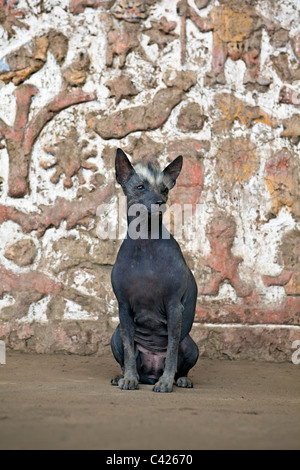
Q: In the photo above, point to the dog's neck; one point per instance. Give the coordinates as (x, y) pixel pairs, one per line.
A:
(150, 228)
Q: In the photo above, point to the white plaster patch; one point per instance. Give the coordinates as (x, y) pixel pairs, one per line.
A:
(48, 81)
(274, 295)
(6, 301)
(112, 308)
(74, 311)
(80, 279)
(8, 104)
(51, 236)
(271, 237)
(37, 311)
(226, 295)
(234, 70)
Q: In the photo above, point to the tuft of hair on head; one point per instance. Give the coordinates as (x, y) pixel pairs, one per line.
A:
(149, 172)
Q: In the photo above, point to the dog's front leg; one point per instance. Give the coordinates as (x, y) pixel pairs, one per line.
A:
(174, 315)
(131, 379)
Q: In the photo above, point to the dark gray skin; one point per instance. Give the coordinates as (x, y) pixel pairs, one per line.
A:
(155, 289)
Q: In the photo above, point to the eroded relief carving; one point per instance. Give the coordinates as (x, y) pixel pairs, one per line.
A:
(237, 33)
(11, 16)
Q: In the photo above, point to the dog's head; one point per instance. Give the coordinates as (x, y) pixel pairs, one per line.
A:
(145, 183)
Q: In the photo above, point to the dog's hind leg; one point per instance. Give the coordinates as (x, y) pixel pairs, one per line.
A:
(187, 357)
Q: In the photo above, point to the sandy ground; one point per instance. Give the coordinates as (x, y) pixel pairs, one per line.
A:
(67, 402)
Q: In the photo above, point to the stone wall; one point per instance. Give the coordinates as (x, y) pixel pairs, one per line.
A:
(215, 81)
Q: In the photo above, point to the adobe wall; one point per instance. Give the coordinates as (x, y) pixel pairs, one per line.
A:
(215, 81)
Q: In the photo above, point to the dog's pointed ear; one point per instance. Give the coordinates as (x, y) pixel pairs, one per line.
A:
(124, 169)
(172, 171)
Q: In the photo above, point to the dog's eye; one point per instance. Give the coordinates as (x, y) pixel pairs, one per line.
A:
(166, 190)
(141, 187)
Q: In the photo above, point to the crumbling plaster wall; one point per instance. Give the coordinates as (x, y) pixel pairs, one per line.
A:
(215, 81)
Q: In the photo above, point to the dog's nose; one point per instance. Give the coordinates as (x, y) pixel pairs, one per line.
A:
(160, 203)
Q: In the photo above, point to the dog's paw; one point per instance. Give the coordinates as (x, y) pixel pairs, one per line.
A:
(115, 381)
(184, 382)
(163, 385)
(128, 383)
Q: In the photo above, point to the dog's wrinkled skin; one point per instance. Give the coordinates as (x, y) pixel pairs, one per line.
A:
(156, 290)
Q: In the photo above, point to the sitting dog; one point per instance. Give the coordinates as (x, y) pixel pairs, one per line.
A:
(155, 289)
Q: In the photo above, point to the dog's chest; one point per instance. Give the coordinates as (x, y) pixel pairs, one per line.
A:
(145, 278)
(148, 274)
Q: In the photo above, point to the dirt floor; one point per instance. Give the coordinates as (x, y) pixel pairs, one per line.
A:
(67, 402)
